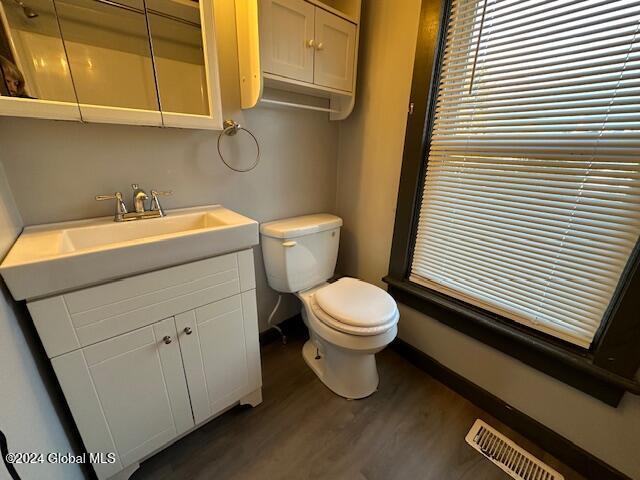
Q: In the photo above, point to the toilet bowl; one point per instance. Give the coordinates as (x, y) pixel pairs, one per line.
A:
(349, 320)
(343, 355)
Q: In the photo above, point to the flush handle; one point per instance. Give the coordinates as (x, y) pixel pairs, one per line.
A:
(289, 243)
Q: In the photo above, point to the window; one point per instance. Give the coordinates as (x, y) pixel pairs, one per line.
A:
(531, 204)
(518, 212)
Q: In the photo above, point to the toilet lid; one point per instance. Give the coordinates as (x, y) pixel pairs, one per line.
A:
(357, 304)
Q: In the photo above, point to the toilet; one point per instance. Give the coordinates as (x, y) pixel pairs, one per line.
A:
(349, 320)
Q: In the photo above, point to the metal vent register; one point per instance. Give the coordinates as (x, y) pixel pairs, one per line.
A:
(511, 458)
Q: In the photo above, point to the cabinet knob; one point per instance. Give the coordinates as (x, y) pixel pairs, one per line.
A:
(311, 43)
(320, 46)
(166, 339)
(188, 330)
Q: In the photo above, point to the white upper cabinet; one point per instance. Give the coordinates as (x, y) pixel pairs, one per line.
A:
(335, 44)
(287, 33)
(137, 62)
(301, 46)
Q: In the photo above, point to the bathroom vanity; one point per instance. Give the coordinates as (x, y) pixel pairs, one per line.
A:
(146, 347)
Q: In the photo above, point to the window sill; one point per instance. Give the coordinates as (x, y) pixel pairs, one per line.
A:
(566, 363)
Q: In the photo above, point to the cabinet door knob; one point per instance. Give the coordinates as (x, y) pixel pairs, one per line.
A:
(166, 339)
(311, 43)
(188, 330)
(320, 46)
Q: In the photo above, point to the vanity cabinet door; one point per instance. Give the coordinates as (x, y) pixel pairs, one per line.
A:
(128, 395)
(221, 353)
(335, 51)
(286, 29)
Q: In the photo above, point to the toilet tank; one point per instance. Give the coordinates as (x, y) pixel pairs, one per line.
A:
(300, 252)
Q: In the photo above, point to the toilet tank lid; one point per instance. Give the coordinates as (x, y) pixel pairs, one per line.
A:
(300, 226)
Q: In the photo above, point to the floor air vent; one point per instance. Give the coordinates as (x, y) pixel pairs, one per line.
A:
(511, 458)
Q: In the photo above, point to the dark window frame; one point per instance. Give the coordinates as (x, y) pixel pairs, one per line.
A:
(605, 371)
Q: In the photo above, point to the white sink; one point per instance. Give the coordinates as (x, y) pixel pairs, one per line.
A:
(48, 259)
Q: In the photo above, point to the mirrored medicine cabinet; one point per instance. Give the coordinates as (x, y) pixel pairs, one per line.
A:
(141, 62)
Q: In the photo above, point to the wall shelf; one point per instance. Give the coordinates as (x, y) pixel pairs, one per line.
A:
(281, 103)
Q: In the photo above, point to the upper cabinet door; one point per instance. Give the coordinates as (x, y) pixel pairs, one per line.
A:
(286, 33)
(34, 71)
(128, 394)
(335, 44)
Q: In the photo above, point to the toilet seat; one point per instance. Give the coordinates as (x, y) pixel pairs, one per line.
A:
(355, 307)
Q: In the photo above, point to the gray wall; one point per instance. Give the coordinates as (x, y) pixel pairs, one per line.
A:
(56, 168)
(370, 157)
(28, 415)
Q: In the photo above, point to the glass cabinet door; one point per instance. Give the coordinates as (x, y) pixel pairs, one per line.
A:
(184, 52)
(176, 36)
(110, 57)
(34, 71)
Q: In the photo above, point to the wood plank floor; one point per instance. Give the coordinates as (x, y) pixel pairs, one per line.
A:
(412, 428)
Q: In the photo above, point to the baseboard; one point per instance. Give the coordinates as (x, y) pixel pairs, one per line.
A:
(291, 326)
(563, 449)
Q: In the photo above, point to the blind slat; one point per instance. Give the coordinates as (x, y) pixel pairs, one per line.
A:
(516, 286)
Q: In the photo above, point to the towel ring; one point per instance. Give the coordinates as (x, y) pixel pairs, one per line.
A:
(231, 128)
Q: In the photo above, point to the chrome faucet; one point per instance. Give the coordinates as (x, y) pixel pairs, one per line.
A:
(139, 199)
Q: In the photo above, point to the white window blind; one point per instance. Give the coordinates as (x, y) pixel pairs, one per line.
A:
(531, 204)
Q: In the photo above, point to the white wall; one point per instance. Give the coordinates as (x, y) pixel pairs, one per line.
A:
(56, 168)
(27, 414)
(372, 138)
(370, 157)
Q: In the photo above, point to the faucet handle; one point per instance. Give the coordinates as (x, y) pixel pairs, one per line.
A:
(160, 193)
(121, 208)
(155, 203)
(108, 197)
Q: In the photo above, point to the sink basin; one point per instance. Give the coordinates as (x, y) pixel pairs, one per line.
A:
(95, 236)
(49, 259)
